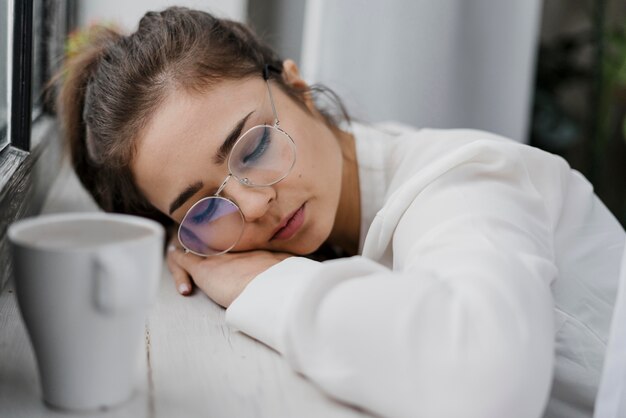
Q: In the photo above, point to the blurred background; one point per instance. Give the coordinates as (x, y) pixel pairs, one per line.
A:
(551, 73)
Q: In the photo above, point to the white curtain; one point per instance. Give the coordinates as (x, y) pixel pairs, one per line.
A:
(429, 63)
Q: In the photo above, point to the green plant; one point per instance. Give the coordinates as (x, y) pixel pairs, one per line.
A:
(579, 108)
(615, 66)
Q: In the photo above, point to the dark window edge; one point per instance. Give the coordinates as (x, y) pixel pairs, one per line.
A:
(21, 100)
(25, 178)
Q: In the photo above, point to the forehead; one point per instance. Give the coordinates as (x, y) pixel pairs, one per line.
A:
(177, 145)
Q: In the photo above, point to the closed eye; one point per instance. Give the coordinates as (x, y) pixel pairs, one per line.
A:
(262, 145)
(203, 212)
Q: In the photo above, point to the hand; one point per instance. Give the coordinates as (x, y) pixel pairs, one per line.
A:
(221, 277)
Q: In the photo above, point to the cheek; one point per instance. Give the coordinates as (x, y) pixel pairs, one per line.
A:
(323, 170)
(318, 158)
(318, 173)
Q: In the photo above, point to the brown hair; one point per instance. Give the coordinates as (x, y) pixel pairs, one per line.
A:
(113, 85)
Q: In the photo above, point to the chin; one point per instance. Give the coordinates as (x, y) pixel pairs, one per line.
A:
(306, 249)
(308, 243)
(305, 246)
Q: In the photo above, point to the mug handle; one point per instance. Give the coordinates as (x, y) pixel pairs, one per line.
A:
(117, 283)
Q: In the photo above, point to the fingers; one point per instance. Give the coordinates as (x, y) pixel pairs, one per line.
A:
(181, 277)
(182, 280)
(186, 260)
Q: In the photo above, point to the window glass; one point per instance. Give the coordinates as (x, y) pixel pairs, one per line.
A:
(4, 65)
(38, 64)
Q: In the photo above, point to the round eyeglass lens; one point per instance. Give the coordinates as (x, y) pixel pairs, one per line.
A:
(262, 156)
(212, 226)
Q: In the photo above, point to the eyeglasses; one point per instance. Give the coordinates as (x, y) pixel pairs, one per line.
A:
(261, 157)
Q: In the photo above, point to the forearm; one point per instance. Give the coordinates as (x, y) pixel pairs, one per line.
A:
(402, 345)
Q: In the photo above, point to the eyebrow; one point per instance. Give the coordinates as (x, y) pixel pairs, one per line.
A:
(219, 158)
(230, 140)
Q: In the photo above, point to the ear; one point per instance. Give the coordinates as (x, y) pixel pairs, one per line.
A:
(291, 75)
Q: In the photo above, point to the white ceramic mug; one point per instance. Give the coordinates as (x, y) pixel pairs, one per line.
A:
(84, 283)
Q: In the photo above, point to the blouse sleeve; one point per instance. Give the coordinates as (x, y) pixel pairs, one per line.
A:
(461, 327)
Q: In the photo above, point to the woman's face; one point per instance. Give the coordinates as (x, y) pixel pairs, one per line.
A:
(177, 150)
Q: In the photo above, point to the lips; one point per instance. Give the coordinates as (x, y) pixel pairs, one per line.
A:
(290, 225)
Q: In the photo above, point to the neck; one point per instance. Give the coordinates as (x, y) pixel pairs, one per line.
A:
(347, 226)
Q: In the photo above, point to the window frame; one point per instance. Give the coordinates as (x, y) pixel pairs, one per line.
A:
(32, 159)
(4, 128)
(21, 75)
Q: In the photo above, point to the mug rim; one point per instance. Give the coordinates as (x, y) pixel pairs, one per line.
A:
(18, 227)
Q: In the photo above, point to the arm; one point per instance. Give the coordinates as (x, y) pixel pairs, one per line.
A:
(462, 327)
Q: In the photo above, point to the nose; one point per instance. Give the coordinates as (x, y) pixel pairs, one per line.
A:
(254, 202)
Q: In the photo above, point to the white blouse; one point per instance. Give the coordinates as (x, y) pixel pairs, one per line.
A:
(484, 286)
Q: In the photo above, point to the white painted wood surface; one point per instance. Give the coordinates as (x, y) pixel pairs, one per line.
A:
(195, 365)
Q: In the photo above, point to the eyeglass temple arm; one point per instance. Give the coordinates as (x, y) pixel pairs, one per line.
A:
(267, 68)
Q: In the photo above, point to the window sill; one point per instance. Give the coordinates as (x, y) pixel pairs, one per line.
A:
(25, 178)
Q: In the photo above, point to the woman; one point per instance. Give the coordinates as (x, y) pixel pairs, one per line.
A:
(474, 259)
